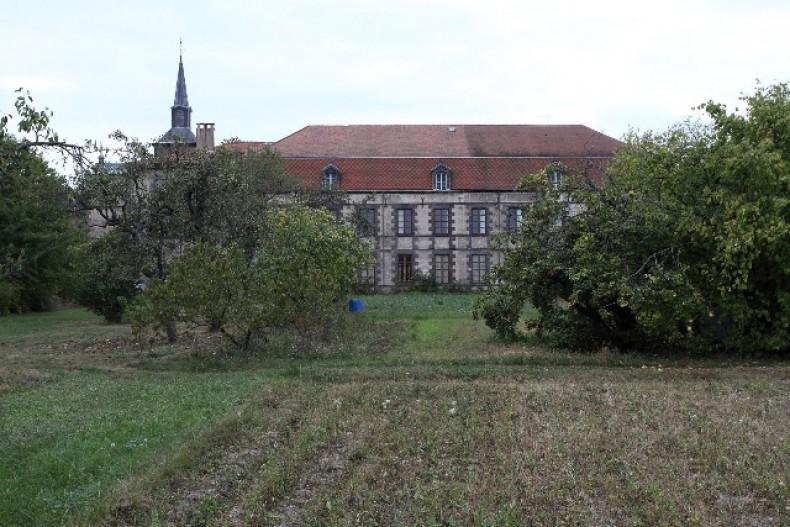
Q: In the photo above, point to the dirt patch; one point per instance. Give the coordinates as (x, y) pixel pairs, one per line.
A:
(328, 467)
(11, 378)
(201, 500)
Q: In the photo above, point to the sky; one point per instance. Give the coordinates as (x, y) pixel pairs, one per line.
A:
(261, 70)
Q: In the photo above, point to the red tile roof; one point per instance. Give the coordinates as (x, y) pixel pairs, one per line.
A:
(446, 140)
(401, 157)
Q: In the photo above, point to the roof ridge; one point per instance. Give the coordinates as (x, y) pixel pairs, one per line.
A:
(291, 134)
(347, 125)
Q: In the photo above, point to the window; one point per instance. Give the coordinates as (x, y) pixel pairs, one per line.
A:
(441, 268)
(441, 221)
(441, 178)
(367, 276)
(179, 117)
(330, 178)
(479, 264)
(479, 225)
(404, 268)
(514, 216)
(335, 212)
(555, 178)
(366, 218)
(405, 219)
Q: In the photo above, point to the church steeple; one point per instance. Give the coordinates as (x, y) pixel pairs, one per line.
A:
(181, 112)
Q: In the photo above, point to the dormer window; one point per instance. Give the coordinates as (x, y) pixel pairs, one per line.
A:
(441, 177)
(330, 178)
(555, 178)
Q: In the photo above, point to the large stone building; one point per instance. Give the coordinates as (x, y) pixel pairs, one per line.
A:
(430, 197)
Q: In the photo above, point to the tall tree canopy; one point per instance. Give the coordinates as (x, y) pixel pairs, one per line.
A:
(685, 245)
(38, 229)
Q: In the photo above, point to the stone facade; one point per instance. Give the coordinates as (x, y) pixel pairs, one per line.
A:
(460, 244)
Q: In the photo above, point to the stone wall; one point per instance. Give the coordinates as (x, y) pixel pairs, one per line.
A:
(460, 244)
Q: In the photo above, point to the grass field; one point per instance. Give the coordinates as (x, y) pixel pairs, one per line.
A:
(418, 418)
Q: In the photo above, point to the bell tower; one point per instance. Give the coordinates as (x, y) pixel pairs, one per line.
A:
(180, 113)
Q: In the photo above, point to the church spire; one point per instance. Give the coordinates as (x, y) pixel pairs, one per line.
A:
(181, 112)
(181, 98)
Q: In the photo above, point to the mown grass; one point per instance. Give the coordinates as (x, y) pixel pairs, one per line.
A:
(418, 417)
(68, 442)
(424, 306)
(53, 327)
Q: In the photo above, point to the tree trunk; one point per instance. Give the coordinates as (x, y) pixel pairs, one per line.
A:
(170, 327)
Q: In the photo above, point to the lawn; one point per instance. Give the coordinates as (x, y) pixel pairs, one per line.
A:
(417, 417)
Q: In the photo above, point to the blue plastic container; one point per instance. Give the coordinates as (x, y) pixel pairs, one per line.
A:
(356, 305)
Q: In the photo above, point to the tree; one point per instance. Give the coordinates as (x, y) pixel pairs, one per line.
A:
(157, 207)
(686, 245)
(38, 228)
(298, 276)
(109, 275)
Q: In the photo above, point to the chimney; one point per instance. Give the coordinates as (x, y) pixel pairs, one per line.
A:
(205, 136)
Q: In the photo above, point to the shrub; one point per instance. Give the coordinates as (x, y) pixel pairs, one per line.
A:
(109, 276)
(423, 282)
(500, 312)
(11, 298)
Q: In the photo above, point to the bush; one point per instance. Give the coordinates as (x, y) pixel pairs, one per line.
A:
(11, 298)
(423, 282)
(500, 312)
(109, 276)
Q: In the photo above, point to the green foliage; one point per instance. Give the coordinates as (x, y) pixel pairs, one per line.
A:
(298, 275)
(109, 275)
(500, 312)
(207, 284)
(37, 225)
(543, 180)
(307, 264)
(156, 206)
(685, 246)
(11, 298)
(423, 282)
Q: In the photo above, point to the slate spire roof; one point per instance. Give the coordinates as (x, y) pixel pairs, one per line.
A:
(181, 98)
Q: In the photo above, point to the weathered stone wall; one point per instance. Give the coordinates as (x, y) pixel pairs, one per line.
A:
(460, 244)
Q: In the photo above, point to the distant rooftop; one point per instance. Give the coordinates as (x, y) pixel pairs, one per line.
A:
(401, 157)
(348, 141)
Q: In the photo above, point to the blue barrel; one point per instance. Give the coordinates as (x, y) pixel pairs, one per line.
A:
(356, 305)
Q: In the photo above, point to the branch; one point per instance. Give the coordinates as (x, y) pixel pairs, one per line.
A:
(650, 258)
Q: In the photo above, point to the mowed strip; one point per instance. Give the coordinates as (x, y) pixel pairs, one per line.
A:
(629, 447)
(609, 451)
(625, 448)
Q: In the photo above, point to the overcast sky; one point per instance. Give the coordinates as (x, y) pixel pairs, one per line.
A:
(262, 70)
